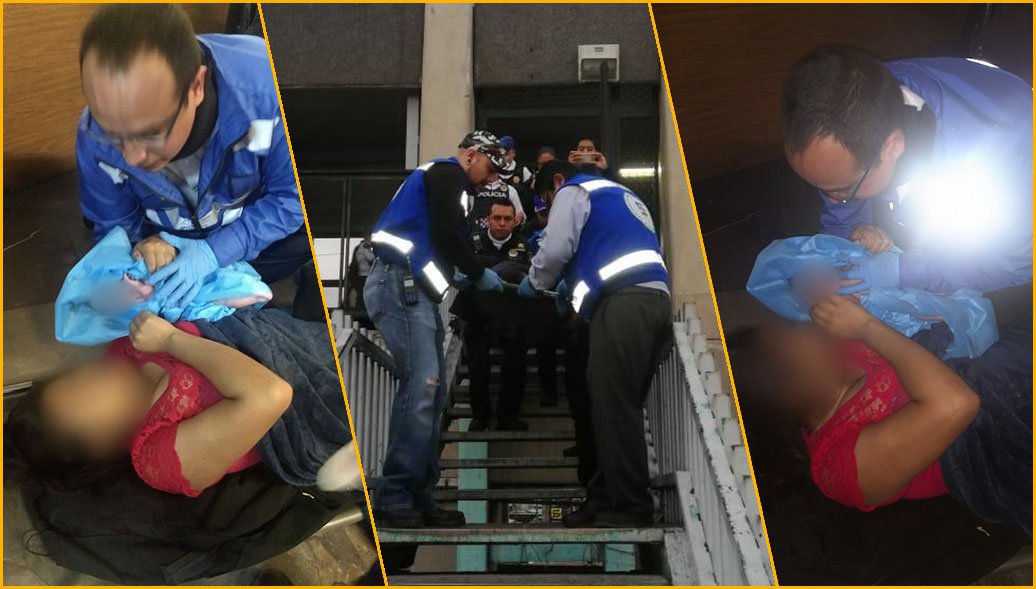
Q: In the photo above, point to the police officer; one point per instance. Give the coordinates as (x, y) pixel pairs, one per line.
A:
(600, 250)
(183, 146)
(514, 173)
(490, 191)
(933, 155)
(498, 246)
(418, 241)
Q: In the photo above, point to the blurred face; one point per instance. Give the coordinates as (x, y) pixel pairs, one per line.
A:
(807, 369)
(477, 165)
(586, 146)
(97, 407)
(501, 221)
(509, 155)
(141, 110)
(828, 165)
(544, 158)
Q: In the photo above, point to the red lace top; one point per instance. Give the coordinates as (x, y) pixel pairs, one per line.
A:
(153, 450)
(832, 448)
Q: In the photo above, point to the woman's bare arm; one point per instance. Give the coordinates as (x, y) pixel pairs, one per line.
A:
(254, 398)
(892, 452)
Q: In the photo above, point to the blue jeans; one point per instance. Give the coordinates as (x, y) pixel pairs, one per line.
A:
(414, 335)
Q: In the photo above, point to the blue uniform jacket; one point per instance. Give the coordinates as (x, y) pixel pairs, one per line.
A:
(247, 194)
(984, 129)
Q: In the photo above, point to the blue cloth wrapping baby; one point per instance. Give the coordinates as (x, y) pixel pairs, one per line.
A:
(106, 289)
(968, 315)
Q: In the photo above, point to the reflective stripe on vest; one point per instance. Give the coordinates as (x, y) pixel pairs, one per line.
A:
(403, 246)
(620, 264)
(399, 244)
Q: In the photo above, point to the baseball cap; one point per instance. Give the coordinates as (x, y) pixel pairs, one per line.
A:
(487, 143)
(507, 142)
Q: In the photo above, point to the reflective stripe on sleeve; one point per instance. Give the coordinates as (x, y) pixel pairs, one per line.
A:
(437, 280)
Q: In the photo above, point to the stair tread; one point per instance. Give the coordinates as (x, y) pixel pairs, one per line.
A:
(499, 533)
(506, 462)
(554, 579)
(515, 494)
(503, 436)
(524, 412)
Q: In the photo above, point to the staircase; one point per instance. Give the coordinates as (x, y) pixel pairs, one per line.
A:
(514, 487)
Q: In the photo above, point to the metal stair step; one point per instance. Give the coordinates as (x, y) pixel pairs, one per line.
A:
(521, 534)
(534, 579)
(533, 410)
(507, 436)
(513, 494)
(521, 462)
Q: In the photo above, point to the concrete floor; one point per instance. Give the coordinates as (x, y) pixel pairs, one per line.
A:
(44, 236)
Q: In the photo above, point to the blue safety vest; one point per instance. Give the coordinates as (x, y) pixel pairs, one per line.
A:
(402, 235)
(617, 248)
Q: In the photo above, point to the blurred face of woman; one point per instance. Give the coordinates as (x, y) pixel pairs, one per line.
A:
(97, 407)
(806, 366)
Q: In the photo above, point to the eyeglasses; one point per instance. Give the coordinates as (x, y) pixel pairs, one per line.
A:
(148, 141)
(836, 194)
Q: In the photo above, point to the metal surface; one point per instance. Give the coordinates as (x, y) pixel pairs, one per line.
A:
(517, 580)
(521, 534)
(687, 445)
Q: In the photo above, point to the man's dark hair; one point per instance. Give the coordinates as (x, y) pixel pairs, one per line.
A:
(547, 149)
(545, 177)
(503, 202)
(120, 32)
(845, 93)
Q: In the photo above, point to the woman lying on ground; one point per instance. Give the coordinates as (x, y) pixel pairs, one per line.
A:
(188, 404)
(884, 419)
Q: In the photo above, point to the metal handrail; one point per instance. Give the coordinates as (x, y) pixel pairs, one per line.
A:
(691, 469)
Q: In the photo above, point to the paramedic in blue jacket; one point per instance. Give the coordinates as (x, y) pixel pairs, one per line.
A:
(420, 245)
(182, 134)
(933, 155)
(600, 251)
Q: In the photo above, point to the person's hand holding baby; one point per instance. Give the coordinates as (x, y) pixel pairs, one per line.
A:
(151, 333)
(843, 317)
(155, 251)
(873, 238)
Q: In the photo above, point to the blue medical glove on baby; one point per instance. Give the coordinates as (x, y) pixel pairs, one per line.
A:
(873, 271)
(180, 280)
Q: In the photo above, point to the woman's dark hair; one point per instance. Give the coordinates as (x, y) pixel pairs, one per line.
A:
(843, 92)
(120, 32)
(779, 456)
(545, 177)
(36, 460)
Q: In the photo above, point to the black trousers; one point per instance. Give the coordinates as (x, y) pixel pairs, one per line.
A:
(478, 338)
(630, 332)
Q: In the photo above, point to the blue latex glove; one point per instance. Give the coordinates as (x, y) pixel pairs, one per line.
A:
(179, 281)
(876, 271)
(460, 280)
(490, 280)
(527, 290)
(563, 301)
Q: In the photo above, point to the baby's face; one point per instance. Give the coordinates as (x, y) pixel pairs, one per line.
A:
(116, 297)
(815, 284)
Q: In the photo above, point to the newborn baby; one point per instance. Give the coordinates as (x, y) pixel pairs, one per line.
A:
(815, 283)
(791, 275)
(117, 297)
